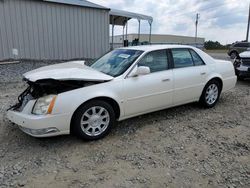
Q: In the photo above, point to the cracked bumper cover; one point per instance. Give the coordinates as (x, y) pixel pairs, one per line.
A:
(243, 71)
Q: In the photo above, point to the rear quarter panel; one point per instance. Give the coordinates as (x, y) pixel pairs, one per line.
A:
(226, 70)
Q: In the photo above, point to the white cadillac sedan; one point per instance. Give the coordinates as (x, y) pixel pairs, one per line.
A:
(87, 101)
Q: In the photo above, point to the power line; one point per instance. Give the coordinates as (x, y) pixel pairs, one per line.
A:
(204, 19)
(219, 5)
(209, 18)
(177, 11)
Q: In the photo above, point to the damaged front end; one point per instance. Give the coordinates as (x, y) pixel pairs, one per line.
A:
(41, 88)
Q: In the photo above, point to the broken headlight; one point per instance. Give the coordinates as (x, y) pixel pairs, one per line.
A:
(44, 105)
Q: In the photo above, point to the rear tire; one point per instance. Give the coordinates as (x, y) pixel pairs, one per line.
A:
(211, 94)
(93, 120)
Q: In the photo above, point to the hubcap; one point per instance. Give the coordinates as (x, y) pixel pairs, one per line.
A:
(212, 93)
(95, 121)
(233, 55)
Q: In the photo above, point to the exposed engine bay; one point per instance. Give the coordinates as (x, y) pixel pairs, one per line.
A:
(45, 87)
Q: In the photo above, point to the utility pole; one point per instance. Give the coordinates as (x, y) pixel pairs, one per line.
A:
(248, 23)
(196, 27)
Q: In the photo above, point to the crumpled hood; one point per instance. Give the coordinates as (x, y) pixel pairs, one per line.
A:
(74, 70)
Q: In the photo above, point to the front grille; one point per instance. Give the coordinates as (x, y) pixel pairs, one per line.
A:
(23, 99)
(246, 62)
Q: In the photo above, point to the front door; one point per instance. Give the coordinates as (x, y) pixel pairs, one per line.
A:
(149, 92)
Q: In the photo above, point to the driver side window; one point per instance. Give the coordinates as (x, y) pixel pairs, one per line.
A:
(156, 61)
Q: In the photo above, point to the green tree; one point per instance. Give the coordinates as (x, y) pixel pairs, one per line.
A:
(212, 45)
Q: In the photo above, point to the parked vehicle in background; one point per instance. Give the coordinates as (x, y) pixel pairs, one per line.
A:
(242, 65)
(74, 98)
(236, 48)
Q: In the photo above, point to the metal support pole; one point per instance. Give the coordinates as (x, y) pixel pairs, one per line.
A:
(112, 45)
(196, 27)
(150, 32)
(113, 28)
(127, 29)
(123, 35)
(248, 25)
(139, 30)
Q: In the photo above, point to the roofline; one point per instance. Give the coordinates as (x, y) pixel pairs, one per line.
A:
(128, 14)
(162, 35)
(148, 48)
(67, 2)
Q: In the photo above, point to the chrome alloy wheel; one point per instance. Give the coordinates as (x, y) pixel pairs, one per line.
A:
(95, 121)
(212, 94)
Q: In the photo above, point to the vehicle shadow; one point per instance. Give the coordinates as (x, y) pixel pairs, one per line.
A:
(122, 128)
(244, 82)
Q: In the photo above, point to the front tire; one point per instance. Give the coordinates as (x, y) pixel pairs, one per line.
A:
(233, 55)
(93, 120)
(211, 94)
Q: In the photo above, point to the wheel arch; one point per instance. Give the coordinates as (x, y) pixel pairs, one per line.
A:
(218, 79)
(115, 105)
(230, 53)
(215, 77)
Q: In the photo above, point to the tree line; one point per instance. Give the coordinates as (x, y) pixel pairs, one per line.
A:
(215, 45)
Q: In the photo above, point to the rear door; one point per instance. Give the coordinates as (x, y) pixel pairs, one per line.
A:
(189, 75)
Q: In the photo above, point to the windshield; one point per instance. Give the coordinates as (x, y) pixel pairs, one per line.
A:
(116, 62)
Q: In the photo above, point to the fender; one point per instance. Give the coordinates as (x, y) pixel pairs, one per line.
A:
(69, 101)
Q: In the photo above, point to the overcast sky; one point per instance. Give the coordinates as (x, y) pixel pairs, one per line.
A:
(221, 20)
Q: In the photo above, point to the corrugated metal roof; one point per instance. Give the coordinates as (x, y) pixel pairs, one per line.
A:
(119, 17)
(82, 3)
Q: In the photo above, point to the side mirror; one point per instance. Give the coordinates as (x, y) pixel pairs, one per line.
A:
(142, 70)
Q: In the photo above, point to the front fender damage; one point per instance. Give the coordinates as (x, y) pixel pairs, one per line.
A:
(45, 87)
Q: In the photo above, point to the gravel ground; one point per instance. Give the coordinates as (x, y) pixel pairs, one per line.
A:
(186, 146)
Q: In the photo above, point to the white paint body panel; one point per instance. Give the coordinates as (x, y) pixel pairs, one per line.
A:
(245, 54)
(134, 95)
(74, 70)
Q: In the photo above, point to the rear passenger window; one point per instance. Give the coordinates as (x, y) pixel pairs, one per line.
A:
(196, 58)
(156, 61)
(242, 44)
(237, 45)
(182, 58)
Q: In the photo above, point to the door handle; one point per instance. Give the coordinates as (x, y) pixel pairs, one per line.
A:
(166, 80)
(203, 73)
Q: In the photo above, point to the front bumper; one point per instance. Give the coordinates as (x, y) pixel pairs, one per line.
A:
(41, 125)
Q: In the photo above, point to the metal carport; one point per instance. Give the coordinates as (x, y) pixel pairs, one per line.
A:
(121, 18)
